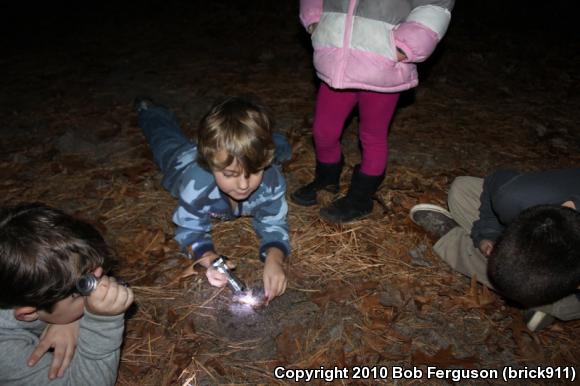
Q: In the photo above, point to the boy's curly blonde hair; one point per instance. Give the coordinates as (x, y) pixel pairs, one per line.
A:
(239, 128)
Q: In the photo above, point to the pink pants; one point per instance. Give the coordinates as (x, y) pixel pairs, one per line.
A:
(375, 113)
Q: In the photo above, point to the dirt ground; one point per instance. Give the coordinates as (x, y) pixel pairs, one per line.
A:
(498, 92)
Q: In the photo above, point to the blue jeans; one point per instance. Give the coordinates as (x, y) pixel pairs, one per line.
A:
(167, 143)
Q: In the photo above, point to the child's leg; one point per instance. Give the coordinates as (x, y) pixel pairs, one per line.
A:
(375, 110)
(283, 150)
(456, 247)
(164, 136)
(332, 109)
(168, 144)
(464, 200)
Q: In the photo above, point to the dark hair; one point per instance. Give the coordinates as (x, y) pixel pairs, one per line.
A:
(43, 252)
(537, 259)
(241, 129)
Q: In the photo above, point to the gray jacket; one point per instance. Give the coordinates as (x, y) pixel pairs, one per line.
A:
(95, 361)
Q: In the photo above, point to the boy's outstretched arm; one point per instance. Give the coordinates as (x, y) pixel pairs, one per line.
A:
(275, 281)
(193, 231)
(270, 220)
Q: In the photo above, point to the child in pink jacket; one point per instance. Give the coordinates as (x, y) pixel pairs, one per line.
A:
(365, 53)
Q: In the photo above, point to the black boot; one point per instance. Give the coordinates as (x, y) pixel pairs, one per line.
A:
(327, 177)
(357, 203)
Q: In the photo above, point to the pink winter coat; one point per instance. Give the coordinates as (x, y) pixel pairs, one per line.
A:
(355, 42)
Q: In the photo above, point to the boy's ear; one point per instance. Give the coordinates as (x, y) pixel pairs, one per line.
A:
(98, 272)
(26, 314)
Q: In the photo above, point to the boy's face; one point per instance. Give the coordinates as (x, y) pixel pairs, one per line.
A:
(233, 182)
(65, 311)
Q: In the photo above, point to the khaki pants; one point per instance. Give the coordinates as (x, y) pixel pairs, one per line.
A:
(457, 248)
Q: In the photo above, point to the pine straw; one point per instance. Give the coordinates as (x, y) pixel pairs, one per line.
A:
(171, 338)
(166, 345)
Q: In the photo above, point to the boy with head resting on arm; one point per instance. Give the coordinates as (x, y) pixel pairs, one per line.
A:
(225, 174)
(518, 233)
(43, 254)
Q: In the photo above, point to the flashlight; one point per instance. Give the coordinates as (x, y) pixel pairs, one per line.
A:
(235, 284)
(89, 282)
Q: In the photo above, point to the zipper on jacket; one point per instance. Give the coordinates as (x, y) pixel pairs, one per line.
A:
(349, 23)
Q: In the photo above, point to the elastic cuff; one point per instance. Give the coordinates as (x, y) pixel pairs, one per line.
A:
(281, 246)
(199, 251)
(477, 240)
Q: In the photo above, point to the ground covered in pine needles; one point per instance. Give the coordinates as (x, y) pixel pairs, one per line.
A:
(497, 93)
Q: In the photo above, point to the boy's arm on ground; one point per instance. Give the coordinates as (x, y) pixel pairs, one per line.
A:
(95, 362)
(270, 219)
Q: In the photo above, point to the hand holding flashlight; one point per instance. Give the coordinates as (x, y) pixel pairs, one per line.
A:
(233, 281)
(105, 296)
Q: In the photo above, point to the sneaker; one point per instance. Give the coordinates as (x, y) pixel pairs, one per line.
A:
(142, 104)
(537, 320)
(434, 219)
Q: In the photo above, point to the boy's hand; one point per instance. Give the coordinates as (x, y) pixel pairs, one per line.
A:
(274, 276)
(486, 246)
(63, 339)
(110, 298)
(214, 277)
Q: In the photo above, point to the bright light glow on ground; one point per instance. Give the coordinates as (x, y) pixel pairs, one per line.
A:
(249, 299)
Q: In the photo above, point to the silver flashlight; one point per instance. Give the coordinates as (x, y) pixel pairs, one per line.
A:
(235, 284)
(86, 284)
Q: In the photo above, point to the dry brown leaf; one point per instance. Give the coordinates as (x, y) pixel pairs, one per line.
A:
(527, 344)
(189, 327)
(136, 173)
(335, 291)
(373, 341)
(289, 343)
(215, 364)
(172, 317)
(366, 286)
(475, 298)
